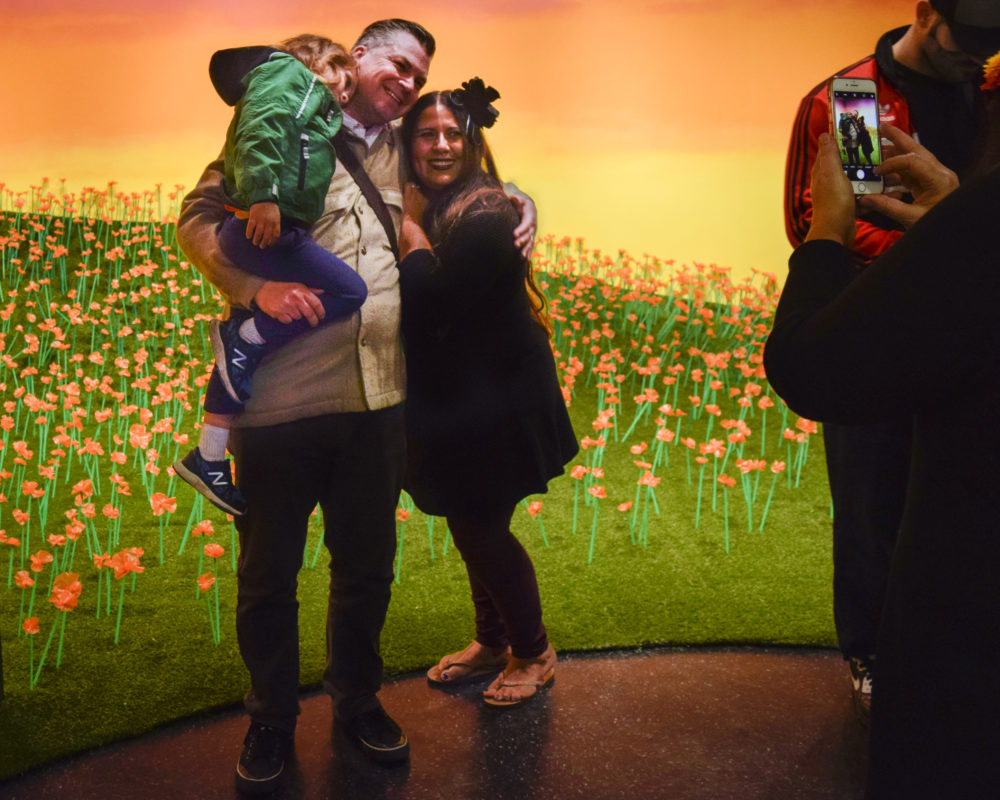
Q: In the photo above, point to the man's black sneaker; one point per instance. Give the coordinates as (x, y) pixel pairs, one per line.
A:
(861, 685)
(235, 358)
(375, 732)
(214, 479)
(262, 762)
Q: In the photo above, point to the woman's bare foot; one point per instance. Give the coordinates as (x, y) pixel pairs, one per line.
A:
(521, 679)
(474, 661)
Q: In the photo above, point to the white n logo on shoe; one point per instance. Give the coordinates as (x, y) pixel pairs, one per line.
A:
(218, 478)
(239, 360)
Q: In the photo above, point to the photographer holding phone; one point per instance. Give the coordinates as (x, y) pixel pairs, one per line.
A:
(915, 334)
(927, 76)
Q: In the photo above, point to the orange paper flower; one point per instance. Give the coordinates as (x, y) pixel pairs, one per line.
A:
(162, 504)
(213, 550)
(126, 561)
(66, 590)
(39, 560)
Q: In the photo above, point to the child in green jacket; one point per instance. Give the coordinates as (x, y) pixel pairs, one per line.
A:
(279, 160)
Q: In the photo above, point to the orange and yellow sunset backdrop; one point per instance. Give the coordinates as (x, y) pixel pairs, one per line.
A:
(654, 126)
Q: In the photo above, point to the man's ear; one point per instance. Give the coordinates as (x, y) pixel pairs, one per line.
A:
(927, 17)
(359, 51)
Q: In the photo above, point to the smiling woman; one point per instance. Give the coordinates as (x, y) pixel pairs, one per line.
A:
(438, 148)
(481, 384)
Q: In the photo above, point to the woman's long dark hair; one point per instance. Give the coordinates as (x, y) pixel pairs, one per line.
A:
(477, 189)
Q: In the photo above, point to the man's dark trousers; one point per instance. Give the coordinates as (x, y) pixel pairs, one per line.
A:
(868, 468)
(352, 465)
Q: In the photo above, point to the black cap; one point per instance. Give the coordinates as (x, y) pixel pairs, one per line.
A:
(974, 24)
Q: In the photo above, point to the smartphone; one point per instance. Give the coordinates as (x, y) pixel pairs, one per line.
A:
(854, 125)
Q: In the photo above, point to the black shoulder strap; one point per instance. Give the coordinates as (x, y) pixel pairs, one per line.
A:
(372, 195)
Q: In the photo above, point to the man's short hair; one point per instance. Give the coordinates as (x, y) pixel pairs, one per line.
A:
(380, 32)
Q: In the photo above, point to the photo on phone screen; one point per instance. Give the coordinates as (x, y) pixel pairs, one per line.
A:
(855, 126)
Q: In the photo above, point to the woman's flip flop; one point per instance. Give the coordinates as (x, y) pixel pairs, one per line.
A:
(539, 686)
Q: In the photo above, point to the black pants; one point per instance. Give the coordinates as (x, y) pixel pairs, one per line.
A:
(502, 577)
(868, 467)
(352, 465)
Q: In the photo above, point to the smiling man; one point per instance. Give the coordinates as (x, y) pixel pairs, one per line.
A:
(324, 425)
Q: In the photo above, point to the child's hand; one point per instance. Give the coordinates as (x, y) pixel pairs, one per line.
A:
(264, 224)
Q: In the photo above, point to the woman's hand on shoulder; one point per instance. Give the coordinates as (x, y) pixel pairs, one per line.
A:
(414, 202)
(918, 171)
(832, 196)
(411, 232)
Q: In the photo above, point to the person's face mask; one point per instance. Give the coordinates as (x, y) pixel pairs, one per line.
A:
(948, 62)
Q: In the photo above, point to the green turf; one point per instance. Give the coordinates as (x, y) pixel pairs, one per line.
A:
(772, 587)
(683, 587)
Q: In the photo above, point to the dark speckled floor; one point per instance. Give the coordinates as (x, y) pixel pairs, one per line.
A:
(678, 724)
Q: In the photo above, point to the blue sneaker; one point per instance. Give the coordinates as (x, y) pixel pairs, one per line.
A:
(235, 358)
(214, 480)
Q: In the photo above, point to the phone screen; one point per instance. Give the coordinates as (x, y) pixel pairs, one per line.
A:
(855, 126)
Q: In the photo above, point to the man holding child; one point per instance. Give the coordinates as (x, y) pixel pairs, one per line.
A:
(325, 424)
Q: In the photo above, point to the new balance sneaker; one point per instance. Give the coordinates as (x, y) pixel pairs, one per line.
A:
(372, 730)
(861, 685)
(214, 479)
(235, 358)
(262, 762)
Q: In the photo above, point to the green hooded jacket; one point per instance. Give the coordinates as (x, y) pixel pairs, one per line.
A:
(278, 146)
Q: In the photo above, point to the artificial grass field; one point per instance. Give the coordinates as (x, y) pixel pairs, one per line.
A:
(773, 586)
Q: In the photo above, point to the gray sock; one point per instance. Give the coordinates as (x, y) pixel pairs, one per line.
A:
(249, 333)
(212, 442)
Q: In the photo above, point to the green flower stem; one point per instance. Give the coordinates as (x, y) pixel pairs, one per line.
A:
(315, 555)
(767, 504)
(541, 528)
(195, 511)
(100, 586)
(644, 530)
(399, 551)
(576, 504)
(745, 484)
(725, 505)
(121, 603)
(45, 652)
(697, 508)
(218, 617)
(62, 635)
(593, 531)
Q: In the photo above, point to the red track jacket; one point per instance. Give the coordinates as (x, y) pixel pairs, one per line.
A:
(812, 120)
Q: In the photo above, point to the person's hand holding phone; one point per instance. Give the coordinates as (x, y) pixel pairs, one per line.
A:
(916, 169)
(832, 196)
